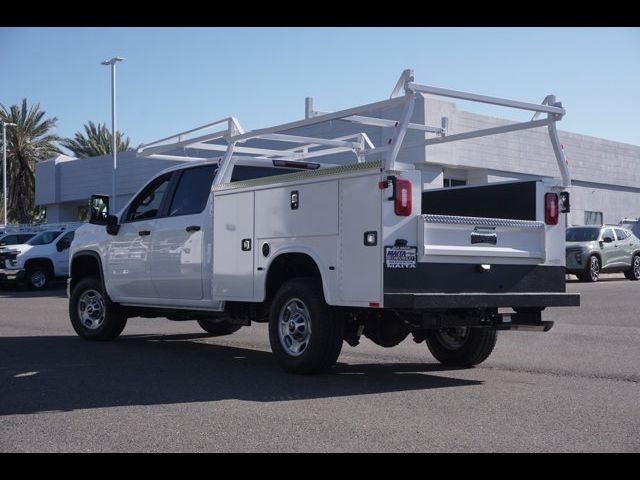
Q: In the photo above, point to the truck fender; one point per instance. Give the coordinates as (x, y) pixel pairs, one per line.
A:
(303, 250)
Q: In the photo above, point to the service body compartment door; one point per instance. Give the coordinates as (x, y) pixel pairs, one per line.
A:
(304, 210)
(360, 270)
(233, 246)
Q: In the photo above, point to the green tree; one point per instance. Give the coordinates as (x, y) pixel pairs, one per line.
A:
(30, 141)
(94, 141)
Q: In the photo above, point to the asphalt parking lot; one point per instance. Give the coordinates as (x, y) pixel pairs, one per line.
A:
(165, 386)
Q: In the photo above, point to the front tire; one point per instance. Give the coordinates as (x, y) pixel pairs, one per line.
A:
(462, 346)
(304, 332)
(634, 272)
(218, 329)
(93, 316)
(37, 277)
(592, 270)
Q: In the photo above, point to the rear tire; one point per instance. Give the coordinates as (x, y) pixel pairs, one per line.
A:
(218, 329)
(93, 316)
(304, 332)
(634, 272)
(462, 347)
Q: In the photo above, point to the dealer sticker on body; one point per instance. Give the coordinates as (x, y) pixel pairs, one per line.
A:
(400, 257)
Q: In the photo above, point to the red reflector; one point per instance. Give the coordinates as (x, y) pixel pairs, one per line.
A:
(382, 185)
(374, 304)
(551, 208)
(402, 206)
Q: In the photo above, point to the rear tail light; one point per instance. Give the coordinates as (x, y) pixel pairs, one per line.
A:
(551, 209)
(402, 206)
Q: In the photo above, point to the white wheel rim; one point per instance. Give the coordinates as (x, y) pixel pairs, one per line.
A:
(294, 327)
(595, 268)
(38, 279)
(91, 310)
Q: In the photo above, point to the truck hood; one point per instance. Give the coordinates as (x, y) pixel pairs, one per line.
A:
(20, 248)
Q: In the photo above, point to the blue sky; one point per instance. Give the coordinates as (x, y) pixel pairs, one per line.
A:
(175, 79)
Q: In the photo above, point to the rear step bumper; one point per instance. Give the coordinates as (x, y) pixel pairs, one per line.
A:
(426, 301)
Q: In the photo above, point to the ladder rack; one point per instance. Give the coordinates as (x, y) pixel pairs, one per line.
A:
(231, 141)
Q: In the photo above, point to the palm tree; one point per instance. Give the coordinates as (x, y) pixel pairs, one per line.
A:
(30, 141)
(96, 140)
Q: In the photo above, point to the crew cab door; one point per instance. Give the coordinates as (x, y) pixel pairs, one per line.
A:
(129, 252)
(177, 244)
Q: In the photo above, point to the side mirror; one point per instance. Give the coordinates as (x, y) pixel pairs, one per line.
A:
(607, 239)
(63, 245)
(112, 225)
(99, 209)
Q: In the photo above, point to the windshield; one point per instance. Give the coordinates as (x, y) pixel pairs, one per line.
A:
(43, 238)
(584, 234)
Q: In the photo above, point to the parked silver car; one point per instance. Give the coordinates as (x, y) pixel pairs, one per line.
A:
(592, 250)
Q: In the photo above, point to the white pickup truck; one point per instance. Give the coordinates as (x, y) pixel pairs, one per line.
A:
(327, 252)
(43, 257)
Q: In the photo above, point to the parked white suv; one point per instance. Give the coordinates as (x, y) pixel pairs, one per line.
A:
(36, 262)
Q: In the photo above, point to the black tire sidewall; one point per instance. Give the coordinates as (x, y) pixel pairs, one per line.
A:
(630, 274)
(588, 276)
(31, 271)
(218, 329)
(476, 349)
(114, 321)
(327, 328)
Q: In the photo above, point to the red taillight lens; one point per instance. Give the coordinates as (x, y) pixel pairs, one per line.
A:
(551, 209)
(403, 202)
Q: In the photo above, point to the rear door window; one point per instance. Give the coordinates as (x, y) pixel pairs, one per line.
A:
(621, 234)
(192, 191)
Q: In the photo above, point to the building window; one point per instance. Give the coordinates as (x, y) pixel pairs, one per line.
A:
(592, 218)
(453, 182)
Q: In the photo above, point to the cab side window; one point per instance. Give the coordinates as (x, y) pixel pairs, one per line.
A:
(147, 204)
(608, 233)
(193, 191)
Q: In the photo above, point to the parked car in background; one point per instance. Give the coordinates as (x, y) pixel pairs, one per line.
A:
(15, 238)
(592, 250)
(42, 258)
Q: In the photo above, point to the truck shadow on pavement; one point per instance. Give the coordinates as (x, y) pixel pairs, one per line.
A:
(54, 290)
(64, 373)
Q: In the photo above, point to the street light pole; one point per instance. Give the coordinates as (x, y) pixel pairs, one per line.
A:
(113, 62)
(4, 167)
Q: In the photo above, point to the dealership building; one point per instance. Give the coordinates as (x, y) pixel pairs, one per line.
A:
(605, 174)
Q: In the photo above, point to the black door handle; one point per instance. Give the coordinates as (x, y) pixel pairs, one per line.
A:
(144, 233)
(193, 228)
